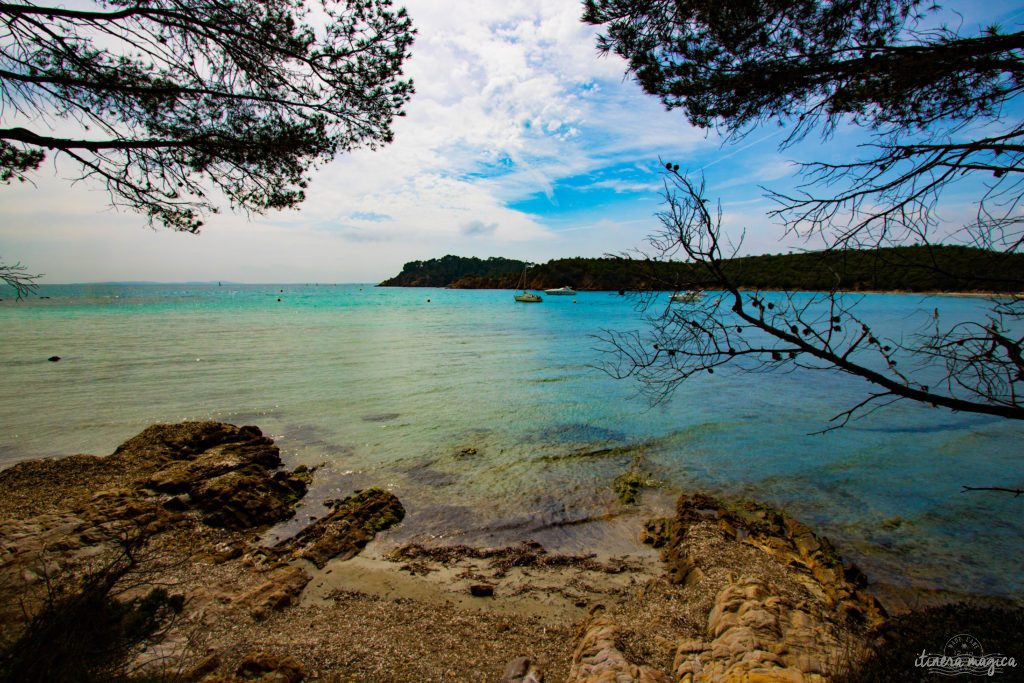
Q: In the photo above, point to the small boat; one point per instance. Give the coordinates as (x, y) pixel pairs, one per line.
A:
(686, 297)
(561, 291)
(525, 297)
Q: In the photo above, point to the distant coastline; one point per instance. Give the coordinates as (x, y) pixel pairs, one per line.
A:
(916, 270)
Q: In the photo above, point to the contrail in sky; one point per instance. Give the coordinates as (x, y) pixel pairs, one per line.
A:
(740, 149)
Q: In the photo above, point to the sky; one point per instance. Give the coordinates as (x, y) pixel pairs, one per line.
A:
(520, 141)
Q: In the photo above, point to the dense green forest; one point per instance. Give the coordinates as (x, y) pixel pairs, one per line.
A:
(443, 272)
(912, 269)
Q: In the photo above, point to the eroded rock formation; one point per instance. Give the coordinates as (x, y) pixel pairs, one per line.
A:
(799, 620)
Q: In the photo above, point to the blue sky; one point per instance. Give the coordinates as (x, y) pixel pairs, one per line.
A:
(520, 141)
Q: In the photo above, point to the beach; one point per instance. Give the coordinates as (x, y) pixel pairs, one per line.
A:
(339, 600)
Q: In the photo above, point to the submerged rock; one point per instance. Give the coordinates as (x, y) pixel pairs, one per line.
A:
(380, 417)
(629, 485)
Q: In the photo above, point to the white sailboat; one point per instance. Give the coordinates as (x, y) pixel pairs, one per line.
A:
(525, 297)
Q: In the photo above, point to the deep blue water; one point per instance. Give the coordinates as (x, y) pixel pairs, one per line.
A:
(389, 388)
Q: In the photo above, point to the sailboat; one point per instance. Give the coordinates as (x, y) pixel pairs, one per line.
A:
(525, 297)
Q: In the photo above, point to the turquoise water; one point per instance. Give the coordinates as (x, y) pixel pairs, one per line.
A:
(389, 389)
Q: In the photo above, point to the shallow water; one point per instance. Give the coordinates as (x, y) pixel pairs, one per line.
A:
(390, 389)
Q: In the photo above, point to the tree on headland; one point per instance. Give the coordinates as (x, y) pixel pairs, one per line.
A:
(922, 269)
(177, 105)
(937, 107)
(449, 269)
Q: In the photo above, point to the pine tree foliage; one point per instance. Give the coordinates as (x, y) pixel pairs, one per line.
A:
(177, 106)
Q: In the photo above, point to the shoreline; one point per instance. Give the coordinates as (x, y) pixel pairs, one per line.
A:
(978, 294)
(339, 599)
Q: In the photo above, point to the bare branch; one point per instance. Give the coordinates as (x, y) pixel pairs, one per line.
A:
(16, 276)
(754, 331)
(1015, 492)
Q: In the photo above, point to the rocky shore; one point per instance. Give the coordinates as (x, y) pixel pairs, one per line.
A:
(740, 593)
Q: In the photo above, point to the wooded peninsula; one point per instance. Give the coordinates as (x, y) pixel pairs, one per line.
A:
(896, 269)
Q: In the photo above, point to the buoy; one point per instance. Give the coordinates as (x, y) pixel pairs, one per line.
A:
(574, 300)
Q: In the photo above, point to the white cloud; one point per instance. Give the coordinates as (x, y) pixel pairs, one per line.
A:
(511, 100)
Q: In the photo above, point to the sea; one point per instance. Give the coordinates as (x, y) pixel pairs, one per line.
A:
(495, 421)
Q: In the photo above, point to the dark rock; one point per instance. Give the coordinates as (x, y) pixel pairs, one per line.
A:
(183, 475)
(347, 529)
(223, 470)
(854, 575)
(176, 504)
(53, 359)
(162, 443)
(247, 497)
(296, 484)
(80, 507)
(481, 590)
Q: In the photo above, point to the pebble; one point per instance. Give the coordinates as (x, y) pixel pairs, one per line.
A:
(481, 590)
